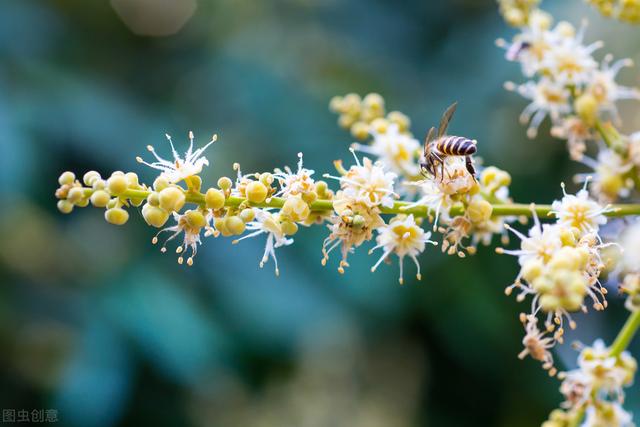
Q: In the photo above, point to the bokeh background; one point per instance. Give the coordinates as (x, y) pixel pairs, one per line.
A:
(96, 323)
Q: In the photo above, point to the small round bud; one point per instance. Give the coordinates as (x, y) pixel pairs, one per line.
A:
(117, 216)
(247, 215)
(214, 198)
(65, 206)
(401, 120)
(352, 104)
(194, 183)
(515, 17)
(99, 184)
(219, 224)
(289, 228)
(565, 29)
(160, 183)
(336, 104)
(256, 192)
(75, 195)
(195, 219)
(171, 199)
(586, 106)
(360, 130)
(234, 225)
(225, 183)
(479, 211)
(117, 184)
(266, 178)
(90, 177)
(153, 199)
(373, 101)
(154, 215)
(83, 203)
(345, 121)
(380, 125)
(132, 179)
(66, 178)
(100, 198)
(309, 197)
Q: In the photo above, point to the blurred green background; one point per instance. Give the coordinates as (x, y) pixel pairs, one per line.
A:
(97, 323)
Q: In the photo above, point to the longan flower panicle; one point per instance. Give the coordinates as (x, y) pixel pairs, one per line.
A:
(276, 230)
(180, 167)
(579, 211)
(404, 237)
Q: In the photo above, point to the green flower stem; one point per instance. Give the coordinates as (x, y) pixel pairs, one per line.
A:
(611, 137)
(504, 209)
(626, 334)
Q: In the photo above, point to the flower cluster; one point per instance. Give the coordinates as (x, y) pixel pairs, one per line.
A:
(579, 94)
(560, 266)
(595, 389)
(624, 10)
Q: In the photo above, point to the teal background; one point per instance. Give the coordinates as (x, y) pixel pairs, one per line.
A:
(98, 324)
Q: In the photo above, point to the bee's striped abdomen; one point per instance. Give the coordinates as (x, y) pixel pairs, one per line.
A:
(456, 146)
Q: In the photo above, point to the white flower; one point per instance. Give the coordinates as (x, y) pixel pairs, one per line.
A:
(568, 60)
(267, 223)
(433, 198)
(608, 181)
(293, 183)
(631, 244)
(368, 183)
(396, 150)
(579, 211)
(607, 415)
(603, 86)
(540, 245)
(403, 237)
(190, 223)
(537, 344)
(548, 97)
(180, 168)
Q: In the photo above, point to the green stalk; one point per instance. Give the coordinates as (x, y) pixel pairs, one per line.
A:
(501, 209)
(626, 334)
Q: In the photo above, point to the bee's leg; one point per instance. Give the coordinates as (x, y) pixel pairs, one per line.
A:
(470, 168)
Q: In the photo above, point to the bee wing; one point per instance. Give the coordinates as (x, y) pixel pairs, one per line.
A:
(429, 138)
(446, 118)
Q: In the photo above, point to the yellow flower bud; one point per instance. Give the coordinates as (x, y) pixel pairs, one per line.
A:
(401, 120)
(247, 215)
(132, 179)
(234, 225)
(479, 211)
(171, 199)
(153, 199)
(266, 178)
(289, 228)
(532, 269)
(360, 130)
(380, 125)
(160, 183)
(309, 197)
(515, 17)
(586, 106)
(358, 221)
(195, 219)
(66, 178)
(65, 206)
(321, 188)
(219, 224)
(336, 104)
(90, 177)
(351, 104)
(373, 101)
(100, 198)
(154, 215)
(117, 216)
(214, 198)
(256, 192)
(611, 184)
(296, 209)
(75, 195)
(225, 183)
(117, 184)
(346, 121)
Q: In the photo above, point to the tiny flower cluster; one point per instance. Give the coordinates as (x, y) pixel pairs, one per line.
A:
(595, 389)
(578, 94)
(624, 10)
(560, 266)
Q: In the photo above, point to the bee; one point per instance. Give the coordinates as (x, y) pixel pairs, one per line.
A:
(438, 147)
